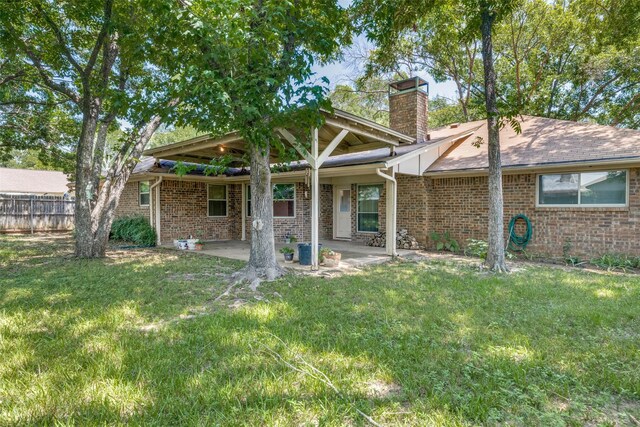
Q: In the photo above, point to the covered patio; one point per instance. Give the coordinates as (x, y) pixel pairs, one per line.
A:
(342, 187)
(341, 134)
(353, 254)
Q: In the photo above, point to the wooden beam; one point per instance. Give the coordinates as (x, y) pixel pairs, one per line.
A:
(190, 158)
(362, 131)
(332, 146)
(354, 136)
(192, 146)
(298, 146)
(366, 147)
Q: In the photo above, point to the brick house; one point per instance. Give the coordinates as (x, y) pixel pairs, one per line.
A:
(578, 183)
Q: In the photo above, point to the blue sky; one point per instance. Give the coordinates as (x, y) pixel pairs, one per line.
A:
(337, 72)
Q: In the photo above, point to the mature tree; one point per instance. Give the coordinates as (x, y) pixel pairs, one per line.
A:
(252, 75)
(443, 45)
(385, 22)
(98, 63)
(32, 128)
(35, 159)
(553, 61)
(567, 60)
(496, 252)
(444, 111)
(367, 96)
(169, 134)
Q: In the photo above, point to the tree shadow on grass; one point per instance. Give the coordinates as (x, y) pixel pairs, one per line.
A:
(460, 347)
(491, 349)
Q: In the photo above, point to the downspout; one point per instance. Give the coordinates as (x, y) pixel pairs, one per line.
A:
(391, 210)
(156, 204)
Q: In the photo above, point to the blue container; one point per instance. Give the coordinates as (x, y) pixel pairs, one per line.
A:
(304, 253)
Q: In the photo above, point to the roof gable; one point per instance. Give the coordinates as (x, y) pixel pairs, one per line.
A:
(543, 141)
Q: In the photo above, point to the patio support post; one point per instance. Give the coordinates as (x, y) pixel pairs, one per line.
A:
(315, 160)
(243, 211)
(391, 187)
(315, 199)
(155, 212)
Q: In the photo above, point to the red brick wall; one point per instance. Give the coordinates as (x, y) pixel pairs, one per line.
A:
(460, 206)
(183, 212)
(129, 204)
(412, 206)
(298, 226)
(409, 114)
(326, 212)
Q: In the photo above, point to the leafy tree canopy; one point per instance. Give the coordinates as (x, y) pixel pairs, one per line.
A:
(253, 69)
(577, 60)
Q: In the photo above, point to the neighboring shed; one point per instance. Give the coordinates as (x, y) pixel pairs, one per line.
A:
(33, 182)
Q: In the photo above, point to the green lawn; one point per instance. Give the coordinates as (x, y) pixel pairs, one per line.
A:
(139, 338)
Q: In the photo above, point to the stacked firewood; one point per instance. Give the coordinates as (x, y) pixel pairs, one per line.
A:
(403, 240)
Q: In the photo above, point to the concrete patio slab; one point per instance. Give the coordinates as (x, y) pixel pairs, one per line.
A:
(354, 254)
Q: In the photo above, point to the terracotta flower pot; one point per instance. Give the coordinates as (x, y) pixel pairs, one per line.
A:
(332, 260)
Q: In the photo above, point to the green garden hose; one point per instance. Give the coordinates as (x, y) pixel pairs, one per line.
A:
(519, 242)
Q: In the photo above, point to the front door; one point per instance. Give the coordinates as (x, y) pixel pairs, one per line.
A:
(342, 216)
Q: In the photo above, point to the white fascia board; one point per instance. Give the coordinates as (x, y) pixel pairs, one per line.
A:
(404, 157)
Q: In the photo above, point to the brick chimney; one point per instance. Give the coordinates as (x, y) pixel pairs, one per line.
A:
(409, 107)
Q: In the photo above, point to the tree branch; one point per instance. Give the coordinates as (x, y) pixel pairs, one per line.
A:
(595, 96)
(108, 7)
(11, 77)
(625, 108)
(48, 80)
(57, 32)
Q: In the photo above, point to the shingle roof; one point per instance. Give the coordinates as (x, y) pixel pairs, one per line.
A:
(543, 141)
(380, 155)
(32, 181)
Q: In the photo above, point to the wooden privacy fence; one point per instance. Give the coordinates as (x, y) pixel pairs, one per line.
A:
(35, 213)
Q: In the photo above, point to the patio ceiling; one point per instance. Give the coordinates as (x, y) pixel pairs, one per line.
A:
(344, 133)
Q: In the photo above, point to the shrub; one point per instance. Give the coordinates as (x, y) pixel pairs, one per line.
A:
(613, 261)
(477, 248)
(444, 242)
(134, 229)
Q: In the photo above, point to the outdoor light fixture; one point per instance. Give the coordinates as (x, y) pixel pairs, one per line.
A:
(221, 149)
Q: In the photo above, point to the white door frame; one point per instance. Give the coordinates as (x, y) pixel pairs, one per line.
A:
(336, 209)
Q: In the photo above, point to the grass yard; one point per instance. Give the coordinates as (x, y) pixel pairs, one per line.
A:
(138, 338)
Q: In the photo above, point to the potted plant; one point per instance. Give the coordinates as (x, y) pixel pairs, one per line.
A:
(191, 243)
(289, 239)
(182, 244)
(329, 257)
(288, 254)
(199, 245)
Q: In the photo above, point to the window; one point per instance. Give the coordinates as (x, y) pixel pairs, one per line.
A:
(368, 200)
(143, 191)
(284, 196)
(217, 197)
(607, 188)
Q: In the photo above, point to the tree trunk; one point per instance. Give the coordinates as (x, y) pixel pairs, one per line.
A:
(262, 259)
(495, 256)
(85, 184)
(92, 233)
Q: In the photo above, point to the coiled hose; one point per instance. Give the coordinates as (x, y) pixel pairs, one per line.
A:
(519, 242)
